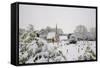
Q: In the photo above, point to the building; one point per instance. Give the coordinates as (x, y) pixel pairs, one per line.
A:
(53, 36)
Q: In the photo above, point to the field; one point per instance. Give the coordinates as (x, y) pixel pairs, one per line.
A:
(39, 50)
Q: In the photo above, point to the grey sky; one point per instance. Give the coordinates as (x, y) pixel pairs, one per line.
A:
(66, 18)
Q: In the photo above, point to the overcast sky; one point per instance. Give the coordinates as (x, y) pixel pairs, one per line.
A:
(66, 18)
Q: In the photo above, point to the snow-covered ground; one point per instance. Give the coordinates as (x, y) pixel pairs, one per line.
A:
(40, 51)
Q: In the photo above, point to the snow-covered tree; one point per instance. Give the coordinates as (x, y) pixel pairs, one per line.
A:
(81, 32)
(93, 32)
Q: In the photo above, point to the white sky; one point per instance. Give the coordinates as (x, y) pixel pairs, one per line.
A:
(66, 18)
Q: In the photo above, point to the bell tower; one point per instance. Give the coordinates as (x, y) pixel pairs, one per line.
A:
(57, 35)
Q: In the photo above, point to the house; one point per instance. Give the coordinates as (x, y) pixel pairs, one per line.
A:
(53, 36)
(63, 38)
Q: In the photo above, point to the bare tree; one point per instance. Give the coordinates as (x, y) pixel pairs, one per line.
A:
(30, 27)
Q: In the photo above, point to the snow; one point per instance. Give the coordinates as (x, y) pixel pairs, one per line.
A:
(51, 35)
(62, 38)
(39, 50)
(72, 52)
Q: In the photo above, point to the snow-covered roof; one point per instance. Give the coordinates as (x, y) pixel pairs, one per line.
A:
(51, 35)
(63, 37)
